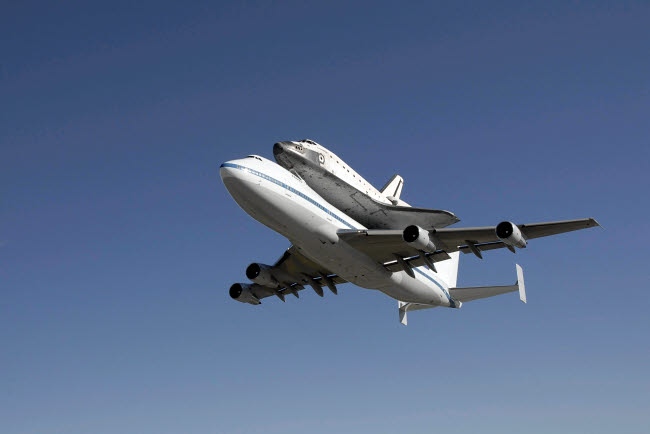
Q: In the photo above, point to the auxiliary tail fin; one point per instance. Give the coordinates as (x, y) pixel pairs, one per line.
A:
(405, 307)
(520, 284)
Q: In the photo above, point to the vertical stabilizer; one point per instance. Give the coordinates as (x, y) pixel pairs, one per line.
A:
(448, 269)
(393, 188)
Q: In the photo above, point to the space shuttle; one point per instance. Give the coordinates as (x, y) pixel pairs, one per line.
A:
(344, 188)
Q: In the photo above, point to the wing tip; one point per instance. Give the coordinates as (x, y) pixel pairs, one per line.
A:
(593, 223)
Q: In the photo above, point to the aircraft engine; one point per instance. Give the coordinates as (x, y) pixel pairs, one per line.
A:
(510, 234)
(261, 274)
(242, 292)
(418, 238)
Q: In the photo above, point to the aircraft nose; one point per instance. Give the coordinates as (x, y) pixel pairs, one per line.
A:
(227, 169)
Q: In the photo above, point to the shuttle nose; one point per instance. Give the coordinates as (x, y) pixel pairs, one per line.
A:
(278, 148)
(283, 153)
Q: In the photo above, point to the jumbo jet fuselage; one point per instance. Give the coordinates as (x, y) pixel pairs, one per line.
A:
(285, 203)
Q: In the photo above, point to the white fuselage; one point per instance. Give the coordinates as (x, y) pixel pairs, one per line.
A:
(285, 203)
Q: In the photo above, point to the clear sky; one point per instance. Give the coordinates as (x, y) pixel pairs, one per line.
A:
(118, 242)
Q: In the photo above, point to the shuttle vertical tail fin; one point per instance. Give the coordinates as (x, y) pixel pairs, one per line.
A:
(393, 188)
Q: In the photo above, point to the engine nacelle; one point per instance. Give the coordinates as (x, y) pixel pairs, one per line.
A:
(510, 234)
(419, 238)
(261, 274)
(242, 292)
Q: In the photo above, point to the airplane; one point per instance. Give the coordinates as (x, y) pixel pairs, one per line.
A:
(416, 266)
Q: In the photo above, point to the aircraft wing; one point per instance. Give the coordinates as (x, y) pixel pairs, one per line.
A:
(292, 271)
(458, 236)
(384, 245)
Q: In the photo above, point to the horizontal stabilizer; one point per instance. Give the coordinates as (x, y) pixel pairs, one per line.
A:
(478, 292)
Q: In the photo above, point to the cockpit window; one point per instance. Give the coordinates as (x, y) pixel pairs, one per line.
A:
(309, 141)
(255, 157)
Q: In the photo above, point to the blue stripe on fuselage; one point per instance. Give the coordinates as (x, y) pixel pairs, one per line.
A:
(287, 187)
(451, 300)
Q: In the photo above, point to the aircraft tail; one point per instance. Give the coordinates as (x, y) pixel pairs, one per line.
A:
(462, 295)
(393, 188)
(448, 269)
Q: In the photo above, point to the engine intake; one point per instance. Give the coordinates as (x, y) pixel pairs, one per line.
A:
(419, 239)
(242, 293)
(510, 234)
(261, 274)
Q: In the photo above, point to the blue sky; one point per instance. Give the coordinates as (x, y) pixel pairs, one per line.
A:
(118, 241)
